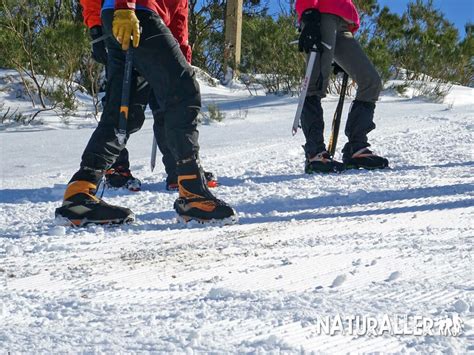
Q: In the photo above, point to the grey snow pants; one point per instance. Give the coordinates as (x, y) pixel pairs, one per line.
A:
(345, 51)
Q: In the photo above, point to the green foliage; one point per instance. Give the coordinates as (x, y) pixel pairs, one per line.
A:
(7, 115)
(64, 46)
(421, 41)
(206, 31)
(46, 43)
(401, 88)
(466, 58)
(61, 47)
(430, 42)
(215, 113)
(206, 34)
(268, 54)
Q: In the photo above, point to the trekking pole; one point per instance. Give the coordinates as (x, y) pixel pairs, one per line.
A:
(153, 153)
(304, 90)
(121, 132)
(336, 122)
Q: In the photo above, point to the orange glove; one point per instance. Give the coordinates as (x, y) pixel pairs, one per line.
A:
(124, 26)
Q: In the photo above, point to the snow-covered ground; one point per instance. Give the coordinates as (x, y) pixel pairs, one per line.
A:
(394, 242)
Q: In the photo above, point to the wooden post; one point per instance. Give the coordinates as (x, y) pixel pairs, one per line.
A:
(233, 34)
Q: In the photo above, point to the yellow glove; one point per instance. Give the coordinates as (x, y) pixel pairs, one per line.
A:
(124, 26)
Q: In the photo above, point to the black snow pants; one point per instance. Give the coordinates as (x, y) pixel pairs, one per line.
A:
(144, 96)
(159, 59)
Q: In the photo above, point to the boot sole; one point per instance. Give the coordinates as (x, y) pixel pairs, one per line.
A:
(324, 172)
(328, 171)
(108, 187)
(188, 220)
(67, 222)
(356, 167)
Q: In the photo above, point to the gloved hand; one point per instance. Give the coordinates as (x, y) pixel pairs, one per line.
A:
(99, 53)
(124, 26)
(337, 69)
(310, 36)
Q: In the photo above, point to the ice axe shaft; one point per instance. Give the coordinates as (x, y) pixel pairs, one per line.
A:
(323, 43)
(153, 154)
(304, 91)
(336, 122)
(121, 132)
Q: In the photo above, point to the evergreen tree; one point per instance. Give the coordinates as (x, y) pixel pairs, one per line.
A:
(268, 55)
(44, 41)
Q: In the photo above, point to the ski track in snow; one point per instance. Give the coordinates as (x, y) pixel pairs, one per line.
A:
(360, 243)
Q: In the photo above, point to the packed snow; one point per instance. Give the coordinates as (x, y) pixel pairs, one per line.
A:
(368, 243)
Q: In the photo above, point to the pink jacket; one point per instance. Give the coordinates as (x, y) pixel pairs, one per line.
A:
(342, 8)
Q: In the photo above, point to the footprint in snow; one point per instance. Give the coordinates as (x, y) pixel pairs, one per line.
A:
(461, 306)
(393, 276)
(372, 263)
(339, 280)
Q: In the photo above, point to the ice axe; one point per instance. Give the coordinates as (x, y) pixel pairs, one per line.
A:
(121, 132)
(305, 85)
(153, 153)
(304, 91)
(336, 122)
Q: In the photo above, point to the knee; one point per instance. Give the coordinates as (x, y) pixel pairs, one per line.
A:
(184, 105)
(375, 86)
(370, 87)
(187, 90)
(137, 118)
(158, 117)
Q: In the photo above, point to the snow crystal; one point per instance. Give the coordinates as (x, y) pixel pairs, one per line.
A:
(219, 293)
(3, 310)
(57, 231)
(14, 250)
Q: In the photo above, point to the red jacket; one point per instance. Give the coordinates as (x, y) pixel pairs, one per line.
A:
(342, 8)
(174, 13)
(91, 12)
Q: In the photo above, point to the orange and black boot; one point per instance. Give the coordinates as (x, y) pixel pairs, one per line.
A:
(196, 202)
(121, 177)
(81, 207)
(172, 181)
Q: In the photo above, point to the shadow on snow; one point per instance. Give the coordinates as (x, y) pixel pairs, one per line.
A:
(287, 209)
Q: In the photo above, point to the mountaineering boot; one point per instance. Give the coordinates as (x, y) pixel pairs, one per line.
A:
(322, 163)
(195, 202)
(211, 179)
(312, 123)
(120, 177)
(366, 159)
(172, 181)
(81, 207)
(356, 153)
